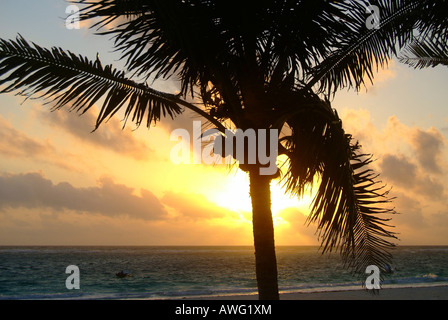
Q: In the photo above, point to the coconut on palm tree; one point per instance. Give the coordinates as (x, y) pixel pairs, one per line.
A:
(253, 65)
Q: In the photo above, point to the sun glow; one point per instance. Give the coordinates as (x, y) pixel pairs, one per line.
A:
(235, 193)
(281, 201)
(235, 196)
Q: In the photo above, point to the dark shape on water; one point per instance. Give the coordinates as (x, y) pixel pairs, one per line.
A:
(389, 269)
(123, 274)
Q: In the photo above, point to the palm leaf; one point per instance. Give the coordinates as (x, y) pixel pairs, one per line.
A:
(153, 44)
(424, 53)
(360, 50)
(65, 78)
(349, 205)
(433, 21)
(222, 42)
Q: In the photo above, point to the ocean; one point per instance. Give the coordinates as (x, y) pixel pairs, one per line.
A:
(39, 273)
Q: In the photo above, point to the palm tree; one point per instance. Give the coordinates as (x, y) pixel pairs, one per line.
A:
(262, 65)
(425, 53)
(430, 48)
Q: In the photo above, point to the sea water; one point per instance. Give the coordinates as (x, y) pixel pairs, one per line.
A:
(179, 272)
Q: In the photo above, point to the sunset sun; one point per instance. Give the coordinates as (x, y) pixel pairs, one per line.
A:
(236, 197)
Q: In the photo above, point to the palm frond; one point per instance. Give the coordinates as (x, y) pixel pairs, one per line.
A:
(349, 205)
(433, 20)
(65, 78)
(360, 50)
(153, 44)
(223, 42)
(424, 53)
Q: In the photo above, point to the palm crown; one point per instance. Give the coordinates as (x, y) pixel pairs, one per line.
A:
(264, 64)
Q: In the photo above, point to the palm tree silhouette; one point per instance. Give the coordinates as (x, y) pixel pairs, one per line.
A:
(262, 65)
(430, 47)
(425, 53)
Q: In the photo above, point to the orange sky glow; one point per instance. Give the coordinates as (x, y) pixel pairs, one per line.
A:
(60, 184)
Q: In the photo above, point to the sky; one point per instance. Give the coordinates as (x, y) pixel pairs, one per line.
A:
(60, 184)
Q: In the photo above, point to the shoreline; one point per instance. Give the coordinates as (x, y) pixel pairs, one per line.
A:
(436, 291)
(423, 292)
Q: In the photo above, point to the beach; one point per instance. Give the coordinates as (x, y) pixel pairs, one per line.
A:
(391, 293)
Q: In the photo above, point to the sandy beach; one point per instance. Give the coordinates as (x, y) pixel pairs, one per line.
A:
(389, 293)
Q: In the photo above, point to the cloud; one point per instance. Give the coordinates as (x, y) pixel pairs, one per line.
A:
(381, 77)
(110, 136)
(35, 210)
(412, 161)
(402, 147)
(194, 206)
(298, 230)
(16, 144)
(34, 191)
(358, 123)
(410, 211)
(428, 146)
(399, 170)
(431, 187)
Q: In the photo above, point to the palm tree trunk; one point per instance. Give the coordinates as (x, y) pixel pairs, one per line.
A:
(263, 228)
